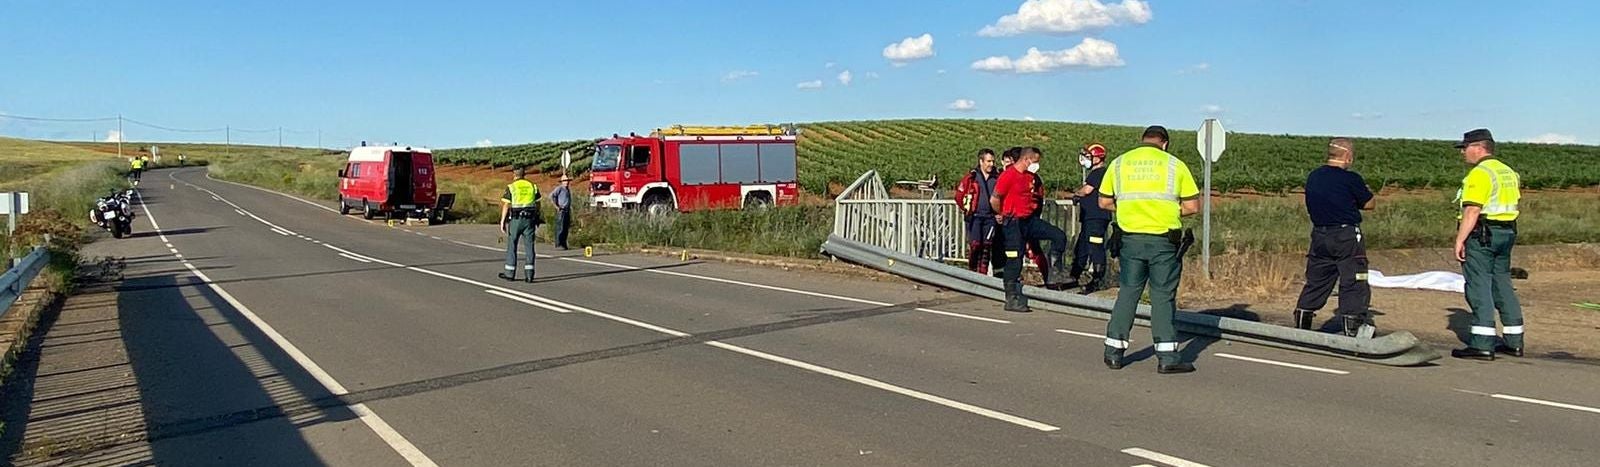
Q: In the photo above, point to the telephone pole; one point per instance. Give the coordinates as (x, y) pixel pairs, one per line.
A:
(280, 137)
(119, 135)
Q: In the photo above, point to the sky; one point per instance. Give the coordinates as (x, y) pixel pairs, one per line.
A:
(454, 74)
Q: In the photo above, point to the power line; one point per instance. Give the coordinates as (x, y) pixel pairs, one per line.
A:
(180, 130)
(48, 119)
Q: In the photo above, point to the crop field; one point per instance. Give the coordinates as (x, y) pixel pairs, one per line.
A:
(833, 153)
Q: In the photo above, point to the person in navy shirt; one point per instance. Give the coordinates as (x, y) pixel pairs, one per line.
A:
(1335, 197)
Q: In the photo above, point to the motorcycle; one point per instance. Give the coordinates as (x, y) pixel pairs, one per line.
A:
(114, 213)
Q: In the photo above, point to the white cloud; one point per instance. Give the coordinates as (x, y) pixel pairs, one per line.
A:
(113, 136)
(1027, 118)
(909, 50)
(829, 65)
(1554, 138)
(483, 143)
(736, 75)
(1367, 115)
(1091, 53)
(1062, 17)
(813, 84)
(963, 105)
(872, 75)
(1212, 109)
(940, 72)
(845, 78)
(1195, 69)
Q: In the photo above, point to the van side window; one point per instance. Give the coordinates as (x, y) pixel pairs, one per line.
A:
(355, 170)
(638, 156)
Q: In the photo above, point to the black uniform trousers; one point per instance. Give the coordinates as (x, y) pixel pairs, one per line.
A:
(1090, 249)
(1337, 254)
(1021, 233)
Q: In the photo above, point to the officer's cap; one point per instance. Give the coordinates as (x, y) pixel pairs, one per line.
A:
(1481, 134)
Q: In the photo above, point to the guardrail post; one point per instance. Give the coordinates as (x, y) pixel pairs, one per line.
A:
(905, 233)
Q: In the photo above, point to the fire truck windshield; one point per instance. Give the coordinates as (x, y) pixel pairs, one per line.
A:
(606, 158)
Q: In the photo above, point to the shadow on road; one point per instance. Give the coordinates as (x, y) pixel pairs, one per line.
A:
(174, 232)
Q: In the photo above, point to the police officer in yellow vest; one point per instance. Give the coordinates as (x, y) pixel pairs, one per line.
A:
(1149, 190)
(1487, 230)
(138, 168)
(519, 215)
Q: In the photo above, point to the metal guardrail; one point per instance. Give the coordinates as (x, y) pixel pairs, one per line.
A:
(17, 279)
(1396, 349)
(924, 228)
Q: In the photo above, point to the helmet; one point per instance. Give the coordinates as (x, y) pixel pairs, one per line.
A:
(1096, 151)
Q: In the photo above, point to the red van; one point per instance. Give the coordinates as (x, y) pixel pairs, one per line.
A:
(388, 182)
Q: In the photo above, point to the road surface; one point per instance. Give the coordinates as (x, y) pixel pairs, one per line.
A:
(260, 329)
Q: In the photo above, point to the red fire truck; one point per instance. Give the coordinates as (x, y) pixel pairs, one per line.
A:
(687, 168)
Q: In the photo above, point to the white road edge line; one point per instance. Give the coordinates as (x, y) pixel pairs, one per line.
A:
(526, 301)
(382, 428)
(280, 231)
(348, 256)
(1162, 458)
(286, 195)
(1545, 403)
(1282, 364)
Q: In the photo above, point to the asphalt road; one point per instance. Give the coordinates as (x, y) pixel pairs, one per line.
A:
(375, 345)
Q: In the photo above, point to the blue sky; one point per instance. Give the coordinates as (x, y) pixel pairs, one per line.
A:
(449, 74)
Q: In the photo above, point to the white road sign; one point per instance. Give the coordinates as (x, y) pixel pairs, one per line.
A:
(1211, 140)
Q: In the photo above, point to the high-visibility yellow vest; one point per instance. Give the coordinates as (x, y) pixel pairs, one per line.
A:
(523, 194)
(1493, 186)
(138, 163)
(1148, 184)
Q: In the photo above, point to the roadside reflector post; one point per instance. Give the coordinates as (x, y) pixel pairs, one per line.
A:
(683, 256)
(588, 252)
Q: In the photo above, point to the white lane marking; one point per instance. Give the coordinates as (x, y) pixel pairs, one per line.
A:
(1162, 458)
(240, 211)
(473, 245)
(280, 231)
(169, 245)
(1080, 333)
(173, 250)
(1282, 364)
(526, 301)
(286, 195)
(393, 438)
(775, 358)
(888, 387)
(347, 256)
(361, 257)
(783, 289)
(1546, 403)
(435, 237)
(179, 255)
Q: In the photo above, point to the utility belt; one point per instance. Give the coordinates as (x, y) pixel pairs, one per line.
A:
(1481, 230)
(1181, 238)
(524, 213)
(1336, 227)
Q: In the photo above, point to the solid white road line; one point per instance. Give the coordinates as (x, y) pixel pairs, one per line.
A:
(1283, 364)
(348, 256)
(240, 211)
(888, 387)
(286, 195)
(526, 301)
(279, 231)
(1162, 458)
(1082, 334)
(382, 428)
(1546, 403)
(781, 289)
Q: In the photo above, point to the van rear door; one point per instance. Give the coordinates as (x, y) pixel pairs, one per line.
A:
(424, 191)
(398, 186)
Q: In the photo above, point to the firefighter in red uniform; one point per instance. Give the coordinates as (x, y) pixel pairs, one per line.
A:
(997, 259)
(1020, 197)
(972, 197)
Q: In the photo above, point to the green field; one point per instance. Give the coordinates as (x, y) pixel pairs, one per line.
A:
(834, 153)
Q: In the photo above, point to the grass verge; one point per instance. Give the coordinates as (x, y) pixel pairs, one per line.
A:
(796, 231)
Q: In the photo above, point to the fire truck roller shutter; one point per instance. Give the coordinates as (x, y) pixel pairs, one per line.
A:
(777, 162)
(698, 164)
(740, 164)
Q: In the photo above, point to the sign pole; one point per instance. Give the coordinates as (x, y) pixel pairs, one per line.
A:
(1205, 209)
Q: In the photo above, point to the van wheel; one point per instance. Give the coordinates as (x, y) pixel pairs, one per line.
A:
(656, 205)
(758, 201)
(344, 208)
(366, 210)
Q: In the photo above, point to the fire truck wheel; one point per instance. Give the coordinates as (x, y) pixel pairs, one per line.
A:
(757, 201)
(656, 205)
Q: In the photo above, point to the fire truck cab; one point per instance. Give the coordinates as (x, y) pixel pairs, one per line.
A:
(688, 168)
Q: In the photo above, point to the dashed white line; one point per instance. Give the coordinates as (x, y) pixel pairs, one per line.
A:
(279, 231)
(1283, 364)
(1081, 333)
(348, 256)
(526, 301)
(1546, 403)
(169, 245)
(384, 431)
(1162, 458)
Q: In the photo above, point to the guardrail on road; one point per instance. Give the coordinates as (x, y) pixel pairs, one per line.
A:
(1396, 349)
(17, 279)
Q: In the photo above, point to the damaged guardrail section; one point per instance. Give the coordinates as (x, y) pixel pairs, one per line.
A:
(16, 279)
(1397, 349)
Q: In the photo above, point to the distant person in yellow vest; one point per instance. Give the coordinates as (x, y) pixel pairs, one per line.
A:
(519, 215)
(137, 170)
(1487, 231)
(1149, 190)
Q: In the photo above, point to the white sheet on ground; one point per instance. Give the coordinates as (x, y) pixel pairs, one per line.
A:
(1431, 280)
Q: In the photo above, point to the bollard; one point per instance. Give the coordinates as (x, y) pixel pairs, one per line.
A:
(588, 252)
(683, 256)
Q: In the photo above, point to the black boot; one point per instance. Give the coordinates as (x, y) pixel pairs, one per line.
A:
(1114, 358)
(1304, 319)
(508, 276)
(1092, 287)
(1175, 368)
(1508, 350)
(530, 277)
(1357, 326)
(1057, 278)
(1473, 354)
(1015, 300)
